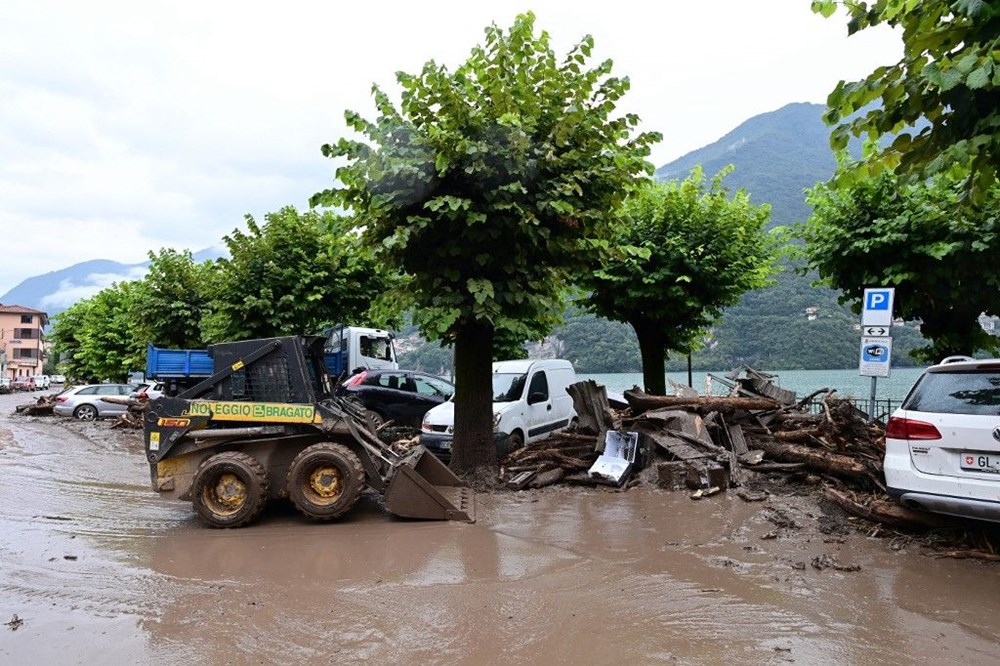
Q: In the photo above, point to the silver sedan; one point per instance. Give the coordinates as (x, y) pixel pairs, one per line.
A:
(85, 402)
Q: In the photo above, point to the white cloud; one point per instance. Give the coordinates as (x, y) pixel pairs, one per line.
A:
(70, 292)
(126, 127)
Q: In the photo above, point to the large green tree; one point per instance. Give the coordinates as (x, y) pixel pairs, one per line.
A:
(98, 337)
(491, 187)
(177, 298)
(939, 256)
(292, 275)
(940, 101)
(692, 249)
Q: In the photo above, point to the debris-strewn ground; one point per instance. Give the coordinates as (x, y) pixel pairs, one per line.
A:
(754, 442)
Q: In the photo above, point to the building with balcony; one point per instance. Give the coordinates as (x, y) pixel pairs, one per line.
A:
(22, 339)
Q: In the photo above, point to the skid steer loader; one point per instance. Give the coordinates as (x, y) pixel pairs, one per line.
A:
(265, 425)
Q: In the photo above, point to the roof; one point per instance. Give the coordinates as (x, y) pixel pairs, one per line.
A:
(23, 309)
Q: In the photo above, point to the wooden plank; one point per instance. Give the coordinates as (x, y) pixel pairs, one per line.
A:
(736, 438)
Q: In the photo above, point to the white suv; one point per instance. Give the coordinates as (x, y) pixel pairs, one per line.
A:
(942, 446)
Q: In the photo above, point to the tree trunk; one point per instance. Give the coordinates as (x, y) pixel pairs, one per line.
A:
(652, 347)
(473, 446)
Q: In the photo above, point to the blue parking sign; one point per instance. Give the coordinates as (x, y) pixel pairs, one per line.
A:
(877, 309)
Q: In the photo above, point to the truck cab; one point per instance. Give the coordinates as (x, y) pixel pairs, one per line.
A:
(349, 348)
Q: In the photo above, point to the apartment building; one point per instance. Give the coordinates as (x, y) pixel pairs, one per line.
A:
(22, 339)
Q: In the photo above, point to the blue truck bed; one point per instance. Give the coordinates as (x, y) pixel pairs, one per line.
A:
(177, 363)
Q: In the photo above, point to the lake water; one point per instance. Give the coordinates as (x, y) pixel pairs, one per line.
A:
(803, 382)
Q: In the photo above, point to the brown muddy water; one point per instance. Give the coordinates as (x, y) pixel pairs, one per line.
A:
(100, 570)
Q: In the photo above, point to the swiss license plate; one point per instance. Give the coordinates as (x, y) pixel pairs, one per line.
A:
(981, 462)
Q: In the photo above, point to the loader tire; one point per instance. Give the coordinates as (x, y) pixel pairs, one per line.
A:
(325, 480)
(230, 489)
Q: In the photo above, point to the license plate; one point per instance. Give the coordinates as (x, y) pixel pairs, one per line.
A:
(981, 462)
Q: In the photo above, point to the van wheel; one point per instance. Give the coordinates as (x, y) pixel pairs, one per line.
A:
(325, 480)
(516, 440)
(230, 489)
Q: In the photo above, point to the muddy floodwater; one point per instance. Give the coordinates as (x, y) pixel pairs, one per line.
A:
(98, 570)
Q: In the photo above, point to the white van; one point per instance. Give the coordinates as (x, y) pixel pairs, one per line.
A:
(529, 403)
(42, 382)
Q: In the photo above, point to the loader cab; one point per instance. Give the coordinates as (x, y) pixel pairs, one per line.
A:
(292, 371)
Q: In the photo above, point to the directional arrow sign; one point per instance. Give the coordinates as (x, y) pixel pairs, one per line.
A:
(875, 331)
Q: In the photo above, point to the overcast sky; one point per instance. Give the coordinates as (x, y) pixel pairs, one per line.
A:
(131, 126)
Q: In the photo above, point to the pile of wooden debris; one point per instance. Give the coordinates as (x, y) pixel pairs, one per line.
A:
(708, 444)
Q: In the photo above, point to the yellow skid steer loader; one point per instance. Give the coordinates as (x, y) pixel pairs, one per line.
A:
(265, 425)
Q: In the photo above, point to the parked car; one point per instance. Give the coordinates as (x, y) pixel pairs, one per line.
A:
(401, 396)
(42, 382)
(26, 383)
(942, 446)
(85, 403)
(148, 391)
(58, 379)
(5, 385)
(530, 402)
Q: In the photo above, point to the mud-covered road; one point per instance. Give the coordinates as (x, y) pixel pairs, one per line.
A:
(98, 569)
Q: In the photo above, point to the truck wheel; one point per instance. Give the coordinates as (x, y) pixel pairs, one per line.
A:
(230, 489)
(325, 480)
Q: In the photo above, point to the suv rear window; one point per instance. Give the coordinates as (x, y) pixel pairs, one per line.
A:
(974, 392)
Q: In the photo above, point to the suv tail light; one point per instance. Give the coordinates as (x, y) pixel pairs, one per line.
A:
(901, 428)
(357, 379)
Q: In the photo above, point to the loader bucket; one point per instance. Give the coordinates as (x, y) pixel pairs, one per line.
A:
(423, 487)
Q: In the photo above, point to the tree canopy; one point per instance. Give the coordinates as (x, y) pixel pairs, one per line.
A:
(490, 187)
(938, 255)
(97, 338)
(939, 101)
(292, 275)
(691, 249)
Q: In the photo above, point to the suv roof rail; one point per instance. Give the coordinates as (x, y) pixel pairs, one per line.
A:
(959, 358)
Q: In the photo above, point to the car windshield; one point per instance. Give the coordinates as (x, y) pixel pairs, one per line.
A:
(976, 393)
(508, 387)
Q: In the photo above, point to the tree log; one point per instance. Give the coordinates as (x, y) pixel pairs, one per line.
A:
(885, 512)
(641, 402)
(825, 461)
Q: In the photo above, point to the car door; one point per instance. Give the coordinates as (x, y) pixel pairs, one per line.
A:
(540, 413)
(384, 394)
(110, 408)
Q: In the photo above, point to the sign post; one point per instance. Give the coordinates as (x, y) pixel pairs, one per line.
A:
(876, 343)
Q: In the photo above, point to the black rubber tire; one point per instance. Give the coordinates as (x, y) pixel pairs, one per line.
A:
(325, 480)
(85, 413)
(230, 489)
(516, 440)
(377, 420)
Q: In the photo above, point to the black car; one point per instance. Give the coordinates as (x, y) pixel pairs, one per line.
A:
(401, 396)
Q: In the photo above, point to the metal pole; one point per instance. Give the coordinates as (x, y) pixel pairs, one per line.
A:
(871, 401)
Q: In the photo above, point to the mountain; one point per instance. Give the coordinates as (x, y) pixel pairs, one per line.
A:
(776, 156)
(55, 291)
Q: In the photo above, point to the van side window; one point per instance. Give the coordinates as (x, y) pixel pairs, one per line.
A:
(539, 384)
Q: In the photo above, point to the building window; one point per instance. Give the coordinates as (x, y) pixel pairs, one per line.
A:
(25, 319)
(26, 333)
(22, 353)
